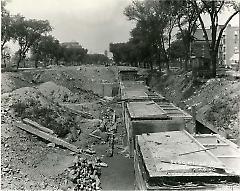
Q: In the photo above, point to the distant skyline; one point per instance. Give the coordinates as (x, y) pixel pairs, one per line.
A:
(92, 23)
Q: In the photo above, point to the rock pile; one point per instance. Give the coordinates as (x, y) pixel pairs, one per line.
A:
(85, 173)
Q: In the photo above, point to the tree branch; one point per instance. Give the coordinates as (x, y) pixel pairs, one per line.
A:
(223, 28)
(220, 7)
(206, 6)
(202, 23)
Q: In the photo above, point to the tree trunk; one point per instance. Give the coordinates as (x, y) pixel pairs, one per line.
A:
(186, 63)
(56, 61)
(19, 60)
(36, 63)
(151, 65)
(167, 65)
(213, 64)
(181, 64)
(4, 63)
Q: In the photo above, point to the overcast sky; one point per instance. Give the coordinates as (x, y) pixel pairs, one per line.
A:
(93, 23)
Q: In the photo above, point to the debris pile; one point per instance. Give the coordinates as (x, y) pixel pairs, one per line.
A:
(85, 173)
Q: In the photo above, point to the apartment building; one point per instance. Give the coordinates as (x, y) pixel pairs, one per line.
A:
(229, 47)
(228, 54)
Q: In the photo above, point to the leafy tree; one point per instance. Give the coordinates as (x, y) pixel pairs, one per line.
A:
(7, 29)
(151, 21)
(171, 9)
(213, 8)
(119, 51)
(177, 49)
(5, 53)
(187, 24)
(46, 49)
(74, 55)
(27, 33)
(99, 59)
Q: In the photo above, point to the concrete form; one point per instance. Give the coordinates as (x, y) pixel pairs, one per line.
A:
(173, 111)
(176, 160)
(140, 95)
(147, 117)
(127, 73)
(226, 151)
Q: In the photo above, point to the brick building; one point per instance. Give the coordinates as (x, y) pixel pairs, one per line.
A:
(229, 47)
(228, 54)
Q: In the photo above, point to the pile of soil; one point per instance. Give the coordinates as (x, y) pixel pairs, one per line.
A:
(13, 80)
(31, 103)
(78, 79)
(57, 93)
(219, 98)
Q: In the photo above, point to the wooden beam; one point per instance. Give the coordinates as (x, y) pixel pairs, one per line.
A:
(229, 156)
(200, 150)
(46, 136)
(95, 136)
(40, 127)
(77, 112)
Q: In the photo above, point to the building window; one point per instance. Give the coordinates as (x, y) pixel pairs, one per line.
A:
(224, 49)
(224, 57)
(236, 37)
(224, 38)
(235, 49)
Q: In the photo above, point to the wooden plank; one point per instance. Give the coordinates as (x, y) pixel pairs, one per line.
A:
(229, 156)
(46, 136)
(210, 145)
(197, 151)
(77, 112)
(40, 127)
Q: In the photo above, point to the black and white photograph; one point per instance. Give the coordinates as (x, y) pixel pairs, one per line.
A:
(120, 95)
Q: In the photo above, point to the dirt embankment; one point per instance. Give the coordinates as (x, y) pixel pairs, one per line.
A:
(76, 78)
(217, 100)
(44, 96)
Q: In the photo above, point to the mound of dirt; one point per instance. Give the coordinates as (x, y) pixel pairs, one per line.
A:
(220, 96)
(57, 93)
(31, 103)
(12, 80)
(78, 78)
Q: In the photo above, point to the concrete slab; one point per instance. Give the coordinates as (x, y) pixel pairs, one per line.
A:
(161, 154)
(226, 151)
(146, 109)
